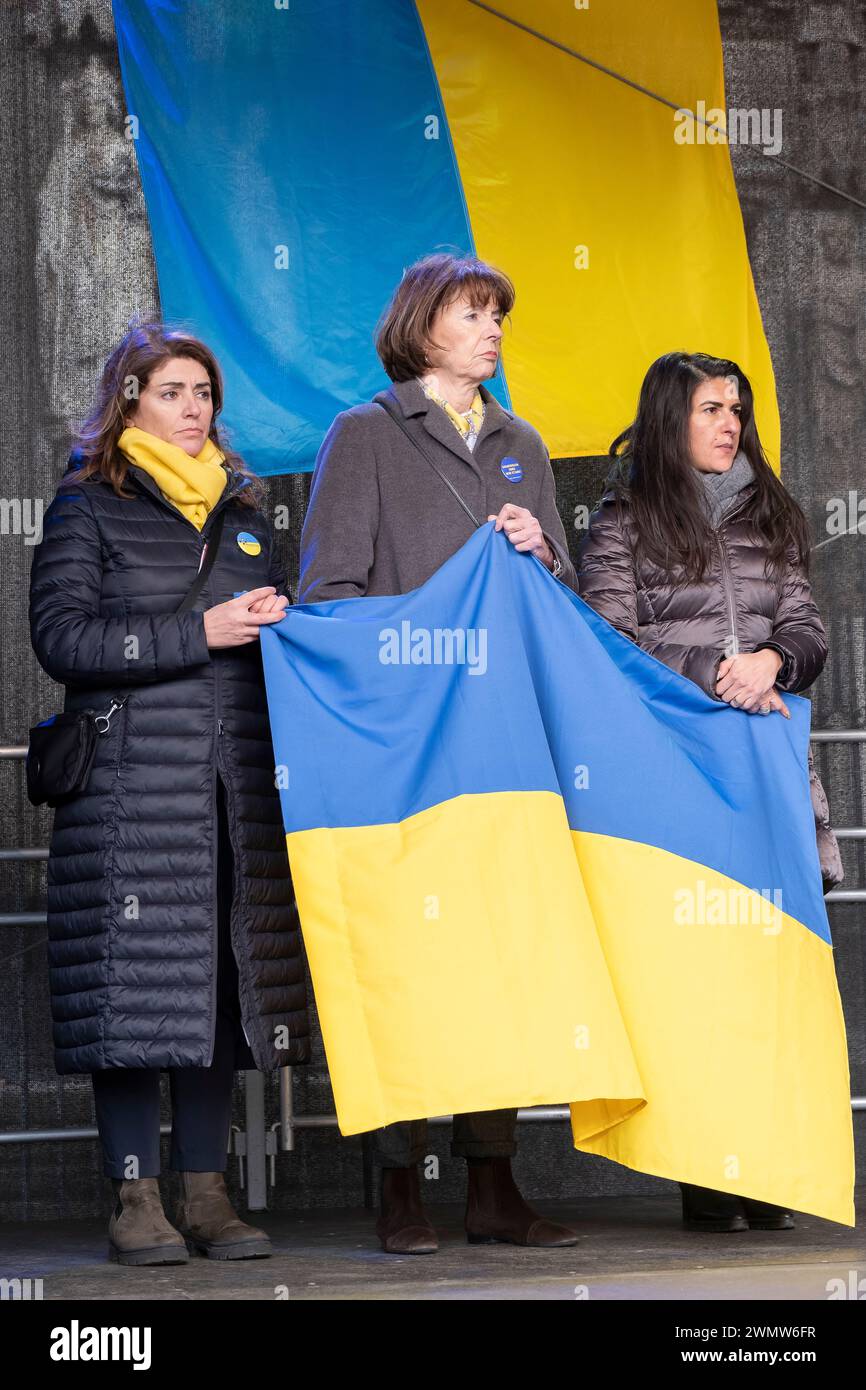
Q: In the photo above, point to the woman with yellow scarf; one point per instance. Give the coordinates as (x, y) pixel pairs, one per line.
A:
(173, 933)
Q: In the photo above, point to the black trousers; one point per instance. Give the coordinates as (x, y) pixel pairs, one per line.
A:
(483, 1134)
(127, 1098)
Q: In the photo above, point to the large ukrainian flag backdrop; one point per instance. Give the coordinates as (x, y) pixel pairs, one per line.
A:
(296, 157)
(535, 865)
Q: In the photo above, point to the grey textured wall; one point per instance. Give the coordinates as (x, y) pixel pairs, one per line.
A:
(77, 265)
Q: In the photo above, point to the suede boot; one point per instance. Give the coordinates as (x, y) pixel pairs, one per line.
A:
(139, 1232)
(402, 1227)
(495, 1210)
(209, 1223)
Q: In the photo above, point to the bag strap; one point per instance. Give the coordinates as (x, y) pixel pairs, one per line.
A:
(210, 553)
(423, 452)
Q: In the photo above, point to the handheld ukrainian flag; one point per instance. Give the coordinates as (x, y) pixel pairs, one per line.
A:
(295, 158)
(534, 865)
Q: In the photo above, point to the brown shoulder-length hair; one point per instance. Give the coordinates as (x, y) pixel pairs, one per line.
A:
(404, 331)
(142, 351)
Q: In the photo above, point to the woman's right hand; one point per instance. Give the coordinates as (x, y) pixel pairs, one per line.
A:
(233, 624)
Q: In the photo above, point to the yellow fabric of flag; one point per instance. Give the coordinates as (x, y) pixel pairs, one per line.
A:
(618, 221)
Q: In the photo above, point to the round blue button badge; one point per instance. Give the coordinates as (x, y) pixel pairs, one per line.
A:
(511, 470)
(250, 545)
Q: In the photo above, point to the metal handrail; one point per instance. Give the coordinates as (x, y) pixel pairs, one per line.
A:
(19, 750)
(289, 1122)
(40, 919)
(838, 736)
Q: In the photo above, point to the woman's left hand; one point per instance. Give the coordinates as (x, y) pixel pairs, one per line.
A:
(524, 531)
(747, 681)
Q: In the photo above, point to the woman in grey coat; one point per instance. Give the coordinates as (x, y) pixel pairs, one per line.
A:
(383, 517)
(699, 555)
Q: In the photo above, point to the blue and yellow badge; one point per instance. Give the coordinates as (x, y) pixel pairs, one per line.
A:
(510, 469)
(248, 543)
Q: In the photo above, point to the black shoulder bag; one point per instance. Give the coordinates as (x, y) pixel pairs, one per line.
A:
(62, 748)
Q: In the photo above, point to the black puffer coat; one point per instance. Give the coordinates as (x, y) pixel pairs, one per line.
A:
(132, 871)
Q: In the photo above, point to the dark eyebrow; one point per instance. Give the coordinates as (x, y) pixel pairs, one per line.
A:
(163, 384)
(736, 402)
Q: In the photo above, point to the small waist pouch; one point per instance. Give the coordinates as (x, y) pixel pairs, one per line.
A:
(61, 752)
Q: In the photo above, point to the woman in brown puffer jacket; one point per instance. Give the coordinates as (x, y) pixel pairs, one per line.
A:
(699, 555)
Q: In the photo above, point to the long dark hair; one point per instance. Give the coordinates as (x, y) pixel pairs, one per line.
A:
(653, 472)
(142, 350)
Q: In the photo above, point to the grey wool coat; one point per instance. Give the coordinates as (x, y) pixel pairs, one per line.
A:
(380, 520)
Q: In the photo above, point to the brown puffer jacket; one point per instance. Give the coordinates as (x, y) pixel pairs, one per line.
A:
(692, 626)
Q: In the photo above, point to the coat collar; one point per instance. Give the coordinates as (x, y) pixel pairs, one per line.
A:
(410, 397)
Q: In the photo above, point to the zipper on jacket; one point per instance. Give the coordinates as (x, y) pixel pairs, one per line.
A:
(729, 595)
(229, 849)
(215, 776)
(215, 933)
(241, 962)
(216, 694)
(727, 583)
(228, 496)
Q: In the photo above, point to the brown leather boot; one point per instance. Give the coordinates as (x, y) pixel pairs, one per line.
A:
(495, 1210)
(139, 1232)
(209, 1223)
(402, 1226)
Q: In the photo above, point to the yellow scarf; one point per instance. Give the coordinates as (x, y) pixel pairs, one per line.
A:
(471, 421)
(194, 483)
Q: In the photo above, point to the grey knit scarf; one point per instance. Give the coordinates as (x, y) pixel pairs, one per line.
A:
(720, 490)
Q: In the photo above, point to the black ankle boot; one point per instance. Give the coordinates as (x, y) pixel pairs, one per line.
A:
(761, 1216)
(704, 1209)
